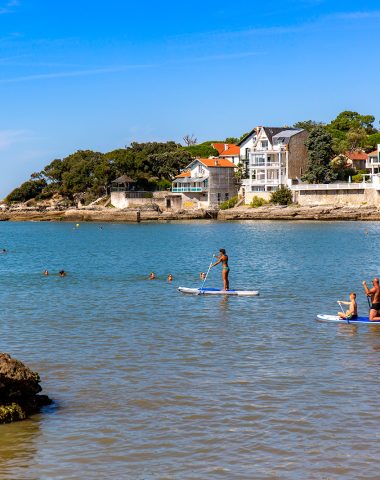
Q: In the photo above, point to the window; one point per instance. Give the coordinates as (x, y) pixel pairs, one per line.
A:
(264, 144)
(219, 197)
(247, 153)
(226, 196)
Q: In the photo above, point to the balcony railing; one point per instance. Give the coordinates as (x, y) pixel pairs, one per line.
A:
(188, 189)
(133, 193)
(265, 165)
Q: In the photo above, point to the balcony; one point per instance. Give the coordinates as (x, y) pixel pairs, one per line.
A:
(256, 164)
(262, 181)
(186, 188)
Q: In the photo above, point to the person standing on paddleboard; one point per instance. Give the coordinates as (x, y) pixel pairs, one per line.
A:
(374, 294)
(223, 259)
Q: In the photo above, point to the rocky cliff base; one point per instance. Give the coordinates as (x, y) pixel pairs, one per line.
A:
(293, 212)
(267, 212)
(19, 390)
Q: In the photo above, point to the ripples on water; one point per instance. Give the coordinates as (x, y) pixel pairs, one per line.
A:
(151, 384)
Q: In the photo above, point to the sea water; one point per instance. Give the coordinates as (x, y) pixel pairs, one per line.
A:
(149, 383)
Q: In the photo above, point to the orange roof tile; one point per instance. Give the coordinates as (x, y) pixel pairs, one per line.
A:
(216, 162)
(183, 174)
(373, 154)
(226, 149)
(356, 155)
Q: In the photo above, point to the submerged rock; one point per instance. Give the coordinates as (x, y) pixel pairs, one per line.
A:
(19, 389)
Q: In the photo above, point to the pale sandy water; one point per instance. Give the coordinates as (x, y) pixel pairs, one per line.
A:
(152, 384)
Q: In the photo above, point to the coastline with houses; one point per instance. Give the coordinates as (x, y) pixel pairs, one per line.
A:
(215, 180)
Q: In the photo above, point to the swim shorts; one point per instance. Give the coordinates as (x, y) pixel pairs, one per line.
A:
(375, 306)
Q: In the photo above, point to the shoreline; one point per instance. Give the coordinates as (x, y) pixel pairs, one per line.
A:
(288, 213)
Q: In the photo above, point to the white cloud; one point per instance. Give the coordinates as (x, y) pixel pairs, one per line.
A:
(74, 73)
(8, 7)
(10, 137)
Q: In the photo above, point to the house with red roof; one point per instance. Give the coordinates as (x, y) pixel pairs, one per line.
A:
(356, 159)
(229, 151)
(206, 182)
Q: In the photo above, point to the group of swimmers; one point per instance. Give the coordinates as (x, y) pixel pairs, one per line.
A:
(61, 273)
(222, 258)
(373, 295)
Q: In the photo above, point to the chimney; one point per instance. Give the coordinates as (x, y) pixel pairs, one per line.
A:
(216, 163)
(226, 146)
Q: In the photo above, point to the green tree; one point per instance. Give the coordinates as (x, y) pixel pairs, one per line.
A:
(231, 140)
(308, 125)
(282, 196)
(26, 191)
(320, 153)
(349, 120)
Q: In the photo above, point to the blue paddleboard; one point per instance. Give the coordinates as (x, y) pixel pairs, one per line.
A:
(337, 319)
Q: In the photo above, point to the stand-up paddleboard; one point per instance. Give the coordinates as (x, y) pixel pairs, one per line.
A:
(337, 319)
(217, 291)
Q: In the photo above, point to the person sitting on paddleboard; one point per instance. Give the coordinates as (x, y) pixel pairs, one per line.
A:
(202, 275)
(374, 294)
(223, 259)
(352, 312)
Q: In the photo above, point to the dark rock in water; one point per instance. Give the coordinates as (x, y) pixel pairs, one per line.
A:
(19, 389)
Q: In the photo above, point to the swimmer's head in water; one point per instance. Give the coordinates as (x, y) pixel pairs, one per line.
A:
(152, 275)
(170, 277)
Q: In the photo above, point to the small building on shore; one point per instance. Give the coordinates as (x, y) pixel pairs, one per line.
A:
(124, 193)
(206, 182)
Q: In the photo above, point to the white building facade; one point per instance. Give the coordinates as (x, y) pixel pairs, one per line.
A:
(274, 157)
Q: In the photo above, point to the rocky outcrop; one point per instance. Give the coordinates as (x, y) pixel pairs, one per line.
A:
(19, 390)
(151, 213)
(293, 212)
(101, 214)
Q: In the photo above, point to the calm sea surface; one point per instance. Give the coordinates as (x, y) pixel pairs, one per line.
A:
(153, 384)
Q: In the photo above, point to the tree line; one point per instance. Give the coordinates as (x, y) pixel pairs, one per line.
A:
(327, 145)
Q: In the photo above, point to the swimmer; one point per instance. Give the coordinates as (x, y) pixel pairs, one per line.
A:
(46, 272)
(152, 276)
(170, 277)
(62, 273)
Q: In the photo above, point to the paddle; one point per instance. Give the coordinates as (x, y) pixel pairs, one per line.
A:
(208, 271)
(344, 313)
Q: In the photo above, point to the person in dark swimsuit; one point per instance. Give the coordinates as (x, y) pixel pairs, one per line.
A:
(223, 259)
(374, 294)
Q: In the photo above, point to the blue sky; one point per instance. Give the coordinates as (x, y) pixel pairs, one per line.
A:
(97, 75)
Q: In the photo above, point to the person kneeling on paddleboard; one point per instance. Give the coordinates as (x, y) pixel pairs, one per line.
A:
(352, 312)
(374, 295)
(223, 259)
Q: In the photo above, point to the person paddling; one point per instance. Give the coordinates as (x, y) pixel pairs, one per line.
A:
(374, 294)
(223, 259)
(352, 312)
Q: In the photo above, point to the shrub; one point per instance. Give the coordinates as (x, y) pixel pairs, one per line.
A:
(26, 191)
(258, 202)
(358, 178)
(282, 196)
(229, 203)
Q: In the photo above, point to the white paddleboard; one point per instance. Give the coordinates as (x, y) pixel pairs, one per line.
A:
(337, 319)
(217, 291)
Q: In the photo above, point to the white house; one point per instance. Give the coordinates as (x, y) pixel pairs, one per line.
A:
(206, 182)
(276, 156)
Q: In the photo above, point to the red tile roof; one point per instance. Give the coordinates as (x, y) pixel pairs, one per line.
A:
(373, 154)
(226, 149)
(356, 155)
(217, 162)
(183, 174)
